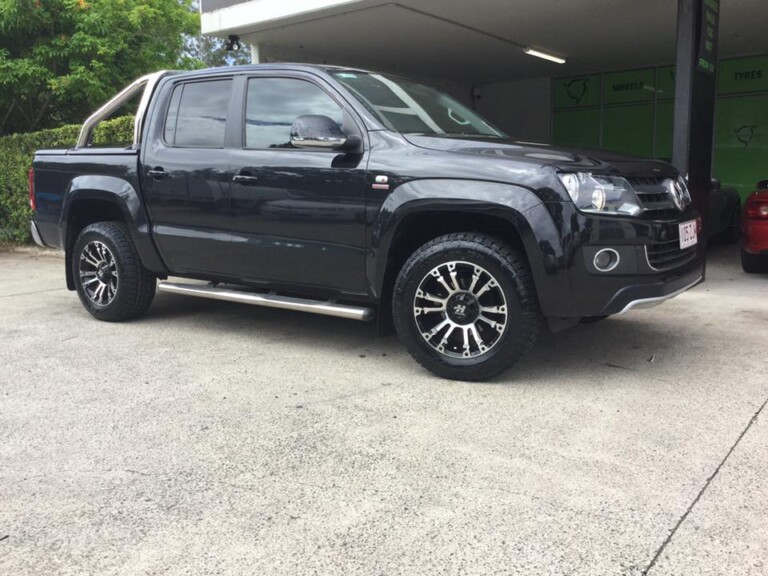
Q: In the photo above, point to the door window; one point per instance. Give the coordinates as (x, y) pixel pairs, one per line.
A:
(274, 103)
(197, 114)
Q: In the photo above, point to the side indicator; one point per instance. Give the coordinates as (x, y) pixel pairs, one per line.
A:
(381, 182)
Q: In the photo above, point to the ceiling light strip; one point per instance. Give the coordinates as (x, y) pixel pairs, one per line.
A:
(544, 55)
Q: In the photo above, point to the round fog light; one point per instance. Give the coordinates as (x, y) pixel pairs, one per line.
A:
(606, 260)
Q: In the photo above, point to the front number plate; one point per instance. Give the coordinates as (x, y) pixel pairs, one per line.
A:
(688, 234)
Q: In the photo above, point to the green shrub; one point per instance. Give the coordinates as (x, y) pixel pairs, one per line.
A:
(16, 154)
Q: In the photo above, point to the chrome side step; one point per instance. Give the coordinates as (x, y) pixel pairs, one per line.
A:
(268, 300)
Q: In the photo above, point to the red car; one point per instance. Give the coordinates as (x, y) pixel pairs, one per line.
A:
(754, 231)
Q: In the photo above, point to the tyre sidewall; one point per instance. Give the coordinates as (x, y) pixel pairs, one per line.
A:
(513, 343)
(121, 303)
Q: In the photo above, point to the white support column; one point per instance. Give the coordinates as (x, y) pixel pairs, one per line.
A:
(255, 54)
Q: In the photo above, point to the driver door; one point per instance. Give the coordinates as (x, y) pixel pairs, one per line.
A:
(299, 214)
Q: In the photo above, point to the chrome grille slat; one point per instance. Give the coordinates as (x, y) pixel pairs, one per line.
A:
(655, 198)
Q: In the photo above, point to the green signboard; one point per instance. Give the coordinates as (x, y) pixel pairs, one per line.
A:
(577, 92)
(633, 123)
(665, 120)
(744, 75)
(708, 32)
(629, 87)
(741, 142)
(665, 82)
(580, 128)
(629, 130)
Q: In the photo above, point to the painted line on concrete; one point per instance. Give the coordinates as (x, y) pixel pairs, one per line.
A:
(703, 490)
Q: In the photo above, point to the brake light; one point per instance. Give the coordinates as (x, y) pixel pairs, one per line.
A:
(757, 209)
(32, 203)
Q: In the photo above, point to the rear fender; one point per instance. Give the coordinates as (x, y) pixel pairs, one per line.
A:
(121, 194)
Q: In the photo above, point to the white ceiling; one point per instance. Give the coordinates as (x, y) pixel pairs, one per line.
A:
(479, 41)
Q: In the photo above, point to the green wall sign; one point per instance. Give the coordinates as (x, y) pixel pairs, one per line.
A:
(628, 114)
(744, 75)
(579, 128)
(577, 92)
(710, 23)
(665, 82)
(629, 130)
(741, 142)
(629, 87)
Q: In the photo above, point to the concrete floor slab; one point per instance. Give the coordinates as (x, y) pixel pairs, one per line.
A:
(213, 438)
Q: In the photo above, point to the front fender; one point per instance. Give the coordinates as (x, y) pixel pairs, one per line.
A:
(530, 218)
(122, 194)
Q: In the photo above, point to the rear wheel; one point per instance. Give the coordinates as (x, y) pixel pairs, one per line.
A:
(111, 282)
(731, 234)
(465, 306)
(753, 263)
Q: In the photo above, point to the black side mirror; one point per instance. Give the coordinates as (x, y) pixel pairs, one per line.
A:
(316, 131)
(762, 185)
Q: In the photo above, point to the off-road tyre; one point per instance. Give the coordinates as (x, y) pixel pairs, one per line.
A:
(462, 357)
(111, 282)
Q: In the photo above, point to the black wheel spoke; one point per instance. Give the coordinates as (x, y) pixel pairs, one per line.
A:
(98, 273)
(460, 309)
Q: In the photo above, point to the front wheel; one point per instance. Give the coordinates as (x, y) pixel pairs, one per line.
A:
(465, 306)
(111, 282)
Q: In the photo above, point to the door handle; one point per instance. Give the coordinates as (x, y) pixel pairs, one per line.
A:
(158, 173)
(245, 180)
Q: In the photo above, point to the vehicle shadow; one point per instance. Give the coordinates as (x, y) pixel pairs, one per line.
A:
(625, 344)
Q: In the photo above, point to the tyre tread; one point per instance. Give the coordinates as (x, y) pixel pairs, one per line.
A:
(136, 288)
(519, 272)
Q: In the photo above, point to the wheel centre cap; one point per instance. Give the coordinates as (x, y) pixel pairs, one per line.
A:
(463, 308)
(103, 272)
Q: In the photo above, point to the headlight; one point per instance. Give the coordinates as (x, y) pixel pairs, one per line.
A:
(598, 193)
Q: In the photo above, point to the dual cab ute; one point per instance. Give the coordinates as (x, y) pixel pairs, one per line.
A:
(361, 195)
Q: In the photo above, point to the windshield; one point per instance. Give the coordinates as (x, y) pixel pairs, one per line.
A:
(412, 108)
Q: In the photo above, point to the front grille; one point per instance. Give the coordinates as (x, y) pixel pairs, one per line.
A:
(655, 198)
(666, 254)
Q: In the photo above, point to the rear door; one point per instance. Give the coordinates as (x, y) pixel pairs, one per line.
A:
(299, 214)
(185, 175)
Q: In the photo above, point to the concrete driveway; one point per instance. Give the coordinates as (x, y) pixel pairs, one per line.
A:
(212, 438)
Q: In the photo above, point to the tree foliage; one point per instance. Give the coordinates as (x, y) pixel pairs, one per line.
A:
(16, 154)
(61, 59)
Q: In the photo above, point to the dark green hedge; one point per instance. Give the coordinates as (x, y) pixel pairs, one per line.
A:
(16, 154)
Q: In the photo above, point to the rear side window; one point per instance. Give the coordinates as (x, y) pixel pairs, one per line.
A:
(274, 103)
(197, 114)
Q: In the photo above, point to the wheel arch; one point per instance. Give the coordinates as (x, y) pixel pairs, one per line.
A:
(90, 199)
(418, 212)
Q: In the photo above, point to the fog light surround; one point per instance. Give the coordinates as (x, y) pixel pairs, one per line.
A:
(606, 260)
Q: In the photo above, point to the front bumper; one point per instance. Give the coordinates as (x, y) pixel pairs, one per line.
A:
(651, 266)
(652, 294)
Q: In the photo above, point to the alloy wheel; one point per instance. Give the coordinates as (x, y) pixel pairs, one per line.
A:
(98, 273)
(460, 309)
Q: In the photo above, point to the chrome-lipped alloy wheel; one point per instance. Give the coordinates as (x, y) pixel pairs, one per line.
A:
(460, 310)
(98, 273)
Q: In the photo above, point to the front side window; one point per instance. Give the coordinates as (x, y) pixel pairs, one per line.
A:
(197, 114)
(412, 108)
(274, 103)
